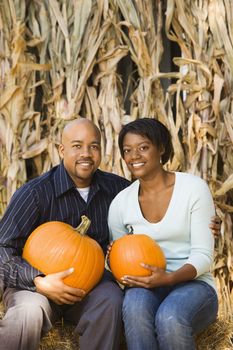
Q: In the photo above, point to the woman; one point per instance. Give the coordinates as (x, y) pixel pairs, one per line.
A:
(165, 310)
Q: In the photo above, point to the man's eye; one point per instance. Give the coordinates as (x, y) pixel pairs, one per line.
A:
(95, 147)
(77, 146)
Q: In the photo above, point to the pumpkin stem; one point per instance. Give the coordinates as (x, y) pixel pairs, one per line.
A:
(84, 225)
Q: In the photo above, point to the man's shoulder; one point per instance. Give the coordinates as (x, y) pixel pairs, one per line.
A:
(111, 177)
(39, 181)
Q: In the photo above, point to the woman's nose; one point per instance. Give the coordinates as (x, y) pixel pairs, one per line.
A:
(135, 153)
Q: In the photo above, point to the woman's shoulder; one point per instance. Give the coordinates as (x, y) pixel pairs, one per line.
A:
(127, 192)
(191, 181)
(188, 177)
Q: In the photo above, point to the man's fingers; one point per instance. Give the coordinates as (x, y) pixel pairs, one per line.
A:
(64, 274)
(71, 299)
(216, 219)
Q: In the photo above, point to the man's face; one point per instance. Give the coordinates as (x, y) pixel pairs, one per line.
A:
(81, 152)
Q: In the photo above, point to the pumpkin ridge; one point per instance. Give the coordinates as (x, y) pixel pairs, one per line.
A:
(93, 271)
(88, 254)
(81, 247)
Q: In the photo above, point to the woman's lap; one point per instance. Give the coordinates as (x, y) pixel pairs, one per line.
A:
(185, 309)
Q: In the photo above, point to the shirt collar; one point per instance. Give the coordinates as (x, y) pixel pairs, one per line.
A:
(62, 180)
(64, 183)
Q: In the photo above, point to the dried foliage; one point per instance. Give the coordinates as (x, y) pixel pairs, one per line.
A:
(203, 118)
(63, 59)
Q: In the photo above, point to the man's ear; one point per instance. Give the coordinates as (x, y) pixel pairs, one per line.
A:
(61, 150)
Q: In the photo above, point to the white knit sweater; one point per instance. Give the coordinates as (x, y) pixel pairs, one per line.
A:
(183, 233)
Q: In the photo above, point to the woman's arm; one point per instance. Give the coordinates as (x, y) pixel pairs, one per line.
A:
(201, 238)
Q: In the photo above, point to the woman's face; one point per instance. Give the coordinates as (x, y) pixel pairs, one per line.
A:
(142, 157)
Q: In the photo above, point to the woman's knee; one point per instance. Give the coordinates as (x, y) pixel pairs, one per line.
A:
(137, 305)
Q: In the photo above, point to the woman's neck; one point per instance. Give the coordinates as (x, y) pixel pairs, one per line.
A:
(158, 182)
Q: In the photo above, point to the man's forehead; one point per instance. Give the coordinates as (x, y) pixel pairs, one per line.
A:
(80, 130)
(77, 140)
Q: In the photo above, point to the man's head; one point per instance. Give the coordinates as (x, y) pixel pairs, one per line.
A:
(80, 150)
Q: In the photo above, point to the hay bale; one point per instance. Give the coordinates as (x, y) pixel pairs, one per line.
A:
(61, 337)
(219, 336)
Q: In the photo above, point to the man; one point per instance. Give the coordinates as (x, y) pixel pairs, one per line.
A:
(34, 302)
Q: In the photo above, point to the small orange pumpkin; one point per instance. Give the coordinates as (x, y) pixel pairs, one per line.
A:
(130, 250)
(56, 246)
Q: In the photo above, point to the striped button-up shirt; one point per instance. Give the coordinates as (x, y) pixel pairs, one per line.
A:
(52, 197)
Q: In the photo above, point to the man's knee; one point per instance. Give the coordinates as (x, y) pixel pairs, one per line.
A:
(25, 313)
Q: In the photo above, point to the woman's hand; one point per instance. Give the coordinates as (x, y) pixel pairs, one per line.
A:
(161, 278)
(158, 278)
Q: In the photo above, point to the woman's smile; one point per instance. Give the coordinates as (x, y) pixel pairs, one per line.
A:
(137, 164)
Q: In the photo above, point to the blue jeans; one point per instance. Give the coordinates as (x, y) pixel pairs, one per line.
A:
(168, 318)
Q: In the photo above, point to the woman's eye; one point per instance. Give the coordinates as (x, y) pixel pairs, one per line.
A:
(125, 151)
(143, 148)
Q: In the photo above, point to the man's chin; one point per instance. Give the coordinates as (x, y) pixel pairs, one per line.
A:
(84, 178)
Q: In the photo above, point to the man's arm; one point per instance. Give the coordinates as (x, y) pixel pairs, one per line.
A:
(17, 223)
(215, 226)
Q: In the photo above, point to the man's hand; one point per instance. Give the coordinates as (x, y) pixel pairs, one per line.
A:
(53, 287)
(215, 225)
(109, 248)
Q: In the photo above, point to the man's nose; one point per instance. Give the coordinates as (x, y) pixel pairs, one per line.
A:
(85, 151)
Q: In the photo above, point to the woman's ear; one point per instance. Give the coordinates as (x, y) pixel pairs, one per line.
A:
(162, 150)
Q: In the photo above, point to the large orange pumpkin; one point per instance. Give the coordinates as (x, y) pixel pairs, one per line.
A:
(55, 246)
(130, 250)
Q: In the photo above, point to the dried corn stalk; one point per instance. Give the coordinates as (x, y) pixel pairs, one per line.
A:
(203, 94)
(17, 91)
